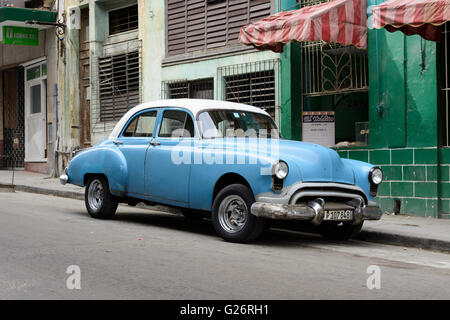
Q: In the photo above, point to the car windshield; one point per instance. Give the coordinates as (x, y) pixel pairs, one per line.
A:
(235, 123)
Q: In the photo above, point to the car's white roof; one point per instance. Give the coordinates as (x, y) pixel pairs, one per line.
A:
(195, 106)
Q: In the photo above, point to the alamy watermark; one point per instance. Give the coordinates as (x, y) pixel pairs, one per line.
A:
(374, 280)
(247, 148)
(73, 282)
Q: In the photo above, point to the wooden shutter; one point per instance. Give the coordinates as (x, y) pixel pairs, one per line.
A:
(195, 25)
(119, 84)
(176, 26)
(216, 17)
(259, 9)
(237, 17)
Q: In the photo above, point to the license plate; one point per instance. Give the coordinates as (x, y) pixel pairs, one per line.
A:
(338, 215)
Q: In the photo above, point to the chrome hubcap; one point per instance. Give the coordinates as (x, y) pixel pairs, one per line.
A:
(95, 195)
(233, 213)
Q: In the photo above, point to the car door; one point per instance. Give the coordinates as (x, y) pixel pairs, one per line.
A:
(169, 158)
(133, 143)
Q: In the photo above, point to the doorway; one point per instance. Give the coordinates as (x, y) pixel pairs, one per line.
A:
(13, 118)
(36, 113)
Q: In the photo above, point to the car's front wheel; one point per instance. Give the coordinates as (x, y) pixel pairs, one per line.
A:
(339, 231)
(231, 215)
(100, 203)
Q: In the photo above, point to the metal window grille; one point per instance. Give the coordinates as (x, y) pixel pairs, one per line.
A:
(445, 83)
(14, 121)
(198, 89)
(329, 68)
(119, 84)
(252, 83)
(124, 19)
(306, 3)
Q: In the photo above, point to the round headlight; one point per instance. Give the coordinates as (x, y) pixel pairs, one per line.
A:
(280, 170)
(376, 175)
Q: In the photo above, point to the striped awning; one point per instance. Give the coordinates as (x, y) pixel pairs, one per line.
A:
(341, 21)
(422, 17)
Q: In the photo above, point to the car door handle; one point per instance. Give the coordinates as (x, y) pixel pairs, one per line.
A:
(117, 142)
(155, 143)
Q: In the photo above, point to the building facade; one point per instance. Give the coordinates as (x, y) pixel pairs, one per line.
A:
(28, 85)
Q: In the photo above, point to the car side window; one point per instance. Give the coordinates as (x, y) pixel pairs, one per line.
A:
(142, 125)
(176, 124)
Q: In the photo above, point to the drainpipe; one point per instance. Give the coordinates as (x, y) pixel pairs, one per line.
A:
(55, 125)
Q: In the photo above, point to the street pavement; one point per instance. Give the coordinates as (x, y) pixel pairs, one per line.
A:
(411, 231)
(143, 254)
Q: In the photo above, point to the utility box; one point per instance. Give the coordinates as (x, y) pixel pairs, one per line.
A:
(74, 18)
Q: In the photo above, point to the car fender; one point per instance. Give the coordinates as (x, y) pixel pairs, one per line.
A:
(255, 171)
(361, 171)
(100, 160)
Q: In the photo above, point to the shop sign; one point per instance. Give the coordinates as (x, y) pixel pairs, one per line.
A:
(20, 36)
(318, 127)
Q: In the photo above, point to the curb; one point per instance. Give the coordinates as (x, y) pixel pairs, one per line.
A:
(364, 235)
(44, 191)
(404, 240)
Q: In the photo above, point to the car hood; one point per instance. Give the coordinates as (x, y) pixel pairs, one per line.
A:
(316, 163)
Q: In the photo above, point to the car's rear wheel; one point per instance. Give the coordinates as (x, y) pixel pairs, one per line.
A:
(100, 203)
(231, 215)
(339, 231)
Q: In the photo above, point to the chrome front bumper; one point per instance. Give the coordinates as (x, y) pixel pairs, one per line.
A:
(64, 177)
(313, 211)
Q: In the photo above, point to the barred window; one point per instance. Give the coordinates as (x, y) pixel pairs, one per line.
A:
(119, 84)
(197, 89)
(252, 83)
(306, 3)
(256, 89)
(330, 68)
(124, 19)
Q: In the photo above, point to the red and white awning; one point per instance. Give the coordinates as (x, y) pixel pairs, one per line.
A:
(421, 17)
(342, 21)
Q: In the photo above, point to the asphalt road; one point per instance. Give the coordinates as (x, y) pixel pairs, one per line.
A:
(151, 255)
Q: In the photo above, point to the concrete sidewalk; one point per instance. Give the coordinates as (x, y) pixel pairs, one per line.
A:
(37, 183)
(408, 231)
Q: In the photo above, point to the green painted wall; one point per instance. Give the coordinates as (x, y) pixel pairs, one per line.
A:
(402, 78)
(291, 94)
(403, 138)
(403, 112)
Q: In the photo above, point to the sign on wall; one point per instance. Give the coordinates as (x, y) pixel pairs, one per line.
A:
(20, 36)
(318, 127)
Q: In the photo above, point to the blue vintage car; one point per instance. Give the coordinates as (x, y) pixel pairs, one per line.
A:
(227, 159)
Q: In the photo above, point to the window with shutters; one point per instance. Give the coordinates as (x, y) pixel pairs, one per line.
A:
(124, 19)
(199, 25)
(119, 84)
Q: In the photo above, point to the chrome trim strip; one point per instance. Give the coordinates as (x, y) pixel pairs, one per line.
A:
(302, 194)
(288, 192)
